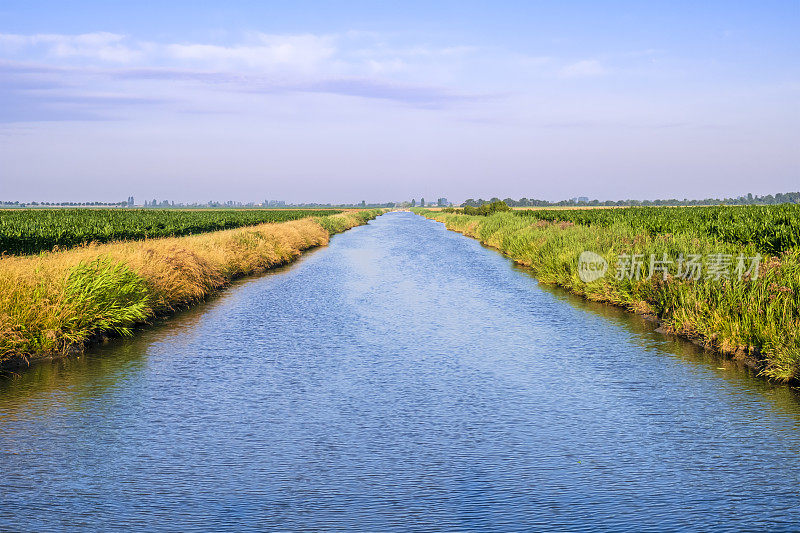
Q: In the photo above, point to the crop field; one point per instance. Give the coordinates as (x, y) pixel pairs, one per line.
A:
(34, 231)
(771, 229)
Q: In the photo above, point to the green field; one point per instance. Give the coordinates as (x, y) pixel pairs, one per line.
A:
(34, 231)
(771, 229)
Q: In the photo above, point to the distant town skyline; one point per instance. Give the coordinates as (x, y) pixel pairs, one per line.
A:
(338, 102)
(791, 197)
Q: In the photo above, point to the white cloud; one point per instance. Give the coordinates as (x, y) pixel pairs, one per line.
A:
(388, 66)
(349, 53)
(104, 46)
(583, 69)
(302, 52)
(298, 51)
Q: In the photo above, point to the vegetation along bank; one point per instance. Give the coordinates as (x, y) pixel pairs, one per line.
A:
(726, 277)
(30, 231)
(54, 303)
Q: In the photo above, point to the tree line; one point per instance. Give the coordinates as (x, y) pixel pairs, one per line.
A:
(749, 199)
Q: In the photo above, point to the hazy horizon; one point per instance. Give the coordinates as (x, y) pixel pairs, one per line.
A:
(316, 102)
(148, 201)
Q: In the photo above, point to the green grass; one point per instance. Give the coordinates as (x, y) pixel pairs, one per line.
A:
(758, 319)
(771, 229)
(104, 296)
(335, 225)
(33, 231)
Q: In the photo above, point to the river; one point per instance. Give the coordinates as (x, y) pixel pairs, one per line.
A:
(403, 377)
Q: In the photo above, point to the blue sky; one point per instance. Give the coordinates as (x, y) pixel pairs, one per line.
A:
(344, 101)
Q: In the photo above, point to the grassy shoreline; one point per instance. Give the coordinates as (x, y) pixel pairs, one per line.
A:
(54, 304)
(756, 321)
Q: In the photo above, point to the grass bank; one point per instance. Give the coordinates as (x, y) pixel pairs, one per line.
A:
(55, 303)
(757, 320)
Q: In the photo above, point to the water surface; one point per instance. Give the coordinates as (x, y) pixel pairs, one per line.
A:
(404, 377)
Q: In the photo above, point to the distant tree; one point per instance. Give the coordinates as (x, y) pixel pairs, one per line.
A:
(413, 202)
(422, 202)
(487, 208)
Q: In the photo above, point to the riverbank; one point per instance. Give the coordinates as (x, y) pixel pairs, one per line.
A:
(753, 320)
(56, 303)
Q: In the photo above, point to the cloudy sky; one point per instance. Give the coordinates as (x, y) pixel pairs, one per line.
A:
(344, 101)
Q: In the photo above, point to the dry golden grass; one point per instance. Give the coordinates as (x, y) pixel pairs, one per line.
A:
(53, 303)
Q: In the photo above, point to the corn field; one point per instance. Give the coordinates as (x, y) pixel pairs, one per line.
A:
(773, 229)
(34, 231)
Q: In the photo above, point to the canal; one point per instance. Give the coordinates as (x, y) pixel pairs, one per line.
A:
(404, 377)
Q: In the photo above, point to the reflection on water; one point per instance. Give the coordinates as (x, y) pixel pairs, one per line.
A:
(707, 362)
(403, 377)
